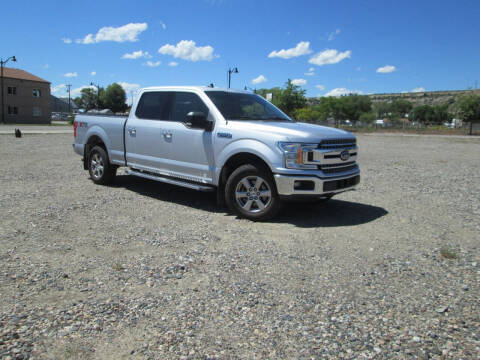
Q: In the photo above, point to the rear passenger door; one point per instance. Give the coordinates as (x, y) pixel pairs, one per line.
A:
(144, 133)
(191, 150)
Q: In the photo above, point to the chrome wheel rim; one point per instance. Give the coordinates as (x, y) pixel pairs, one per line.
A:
(97, 166)
(253, 194)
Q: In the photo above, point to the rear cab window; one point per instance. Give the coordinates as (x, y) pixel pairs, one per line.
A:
(169, 105)
(154, 105)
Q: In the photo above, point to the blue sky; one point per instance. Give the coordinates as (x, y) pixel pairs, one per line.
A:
(327, 47)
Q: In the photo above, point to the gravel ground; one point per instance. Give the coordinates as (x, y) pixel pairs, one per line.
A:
(146, 270)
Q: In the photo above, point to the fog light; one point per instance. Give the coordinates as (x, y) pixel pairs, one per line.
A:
(303, 185)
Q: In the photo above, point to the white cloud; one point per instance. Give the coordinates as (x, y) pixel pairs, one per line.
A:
(71, 74)
(320, 87)
(58, 89)
(299, 82)
(329, 56)
(311, 71)
(153, 63)
(172, 63)
(302, 48)
(164, 27)
(333, 34)
(93, 73)
(67, 40)
(46, 66)
(137, 54)
(132, 90)
(386, 69)
(128, 32)
(187, 50)
(419, 89)
(342, 91)
(259, 79)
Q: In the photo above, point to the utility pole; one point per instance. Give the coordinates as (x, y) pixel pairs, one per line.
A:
(2, 63)
(69, 106)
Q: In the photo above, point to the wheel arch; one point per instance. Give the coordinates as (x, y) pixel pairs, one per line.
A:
(93, 140)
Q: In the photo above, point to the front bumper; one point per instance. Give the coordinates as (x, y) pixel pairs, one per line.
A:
(292, 185)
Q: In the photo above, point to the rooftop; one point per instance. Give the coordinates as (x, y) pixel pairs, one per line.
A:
(21, 74)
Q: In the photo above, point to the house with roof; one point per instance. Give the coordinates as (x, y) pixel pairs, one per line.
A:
(26, 98)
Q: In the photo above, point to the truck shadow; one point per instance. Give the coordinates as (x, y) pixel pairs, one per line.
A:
(330, 214)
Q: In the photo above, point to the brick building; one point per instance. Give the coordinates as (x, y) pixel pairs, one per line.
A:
(26, 98)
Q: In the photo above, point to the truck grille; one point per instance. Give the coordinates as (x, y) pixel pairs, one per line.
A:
(337, 143)
(336, 168)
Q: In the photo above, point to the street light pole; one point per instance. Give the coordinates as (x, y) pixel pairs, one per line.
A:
(2, 63)
(230, 71)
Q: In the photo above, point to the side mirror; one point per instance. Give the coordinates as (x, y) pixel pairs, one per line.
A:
(198, 120)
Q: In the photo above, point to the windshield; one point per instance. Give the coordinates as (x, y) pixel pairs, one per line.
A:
(239, 106)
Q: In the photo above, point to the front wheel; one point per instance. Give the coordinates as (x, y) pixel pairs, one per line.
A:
(99, 167)
(251, 193)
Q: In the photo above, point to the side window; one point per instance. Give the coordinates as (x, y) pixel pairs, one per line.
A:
(183, 103)
(154, 105)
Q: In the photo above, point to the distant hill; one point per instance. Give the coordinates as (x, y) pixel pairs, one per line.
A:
(418, 98)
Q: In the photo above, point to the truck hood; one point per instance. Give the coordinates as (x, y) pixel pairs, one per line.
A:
(291, 131)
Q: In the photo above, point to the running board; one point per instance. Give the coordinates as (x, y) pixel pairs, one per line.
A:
(178, 182)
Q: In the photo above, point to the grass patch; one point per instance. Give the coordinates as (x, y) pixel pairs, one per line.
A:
(448, 253)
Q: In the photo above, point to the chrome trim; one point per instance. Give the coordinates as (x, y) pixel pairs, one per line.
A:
(285, 184)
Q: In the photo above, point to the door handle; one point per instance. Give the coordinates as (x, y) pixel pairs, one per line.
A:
(167, 134)
(132, 131)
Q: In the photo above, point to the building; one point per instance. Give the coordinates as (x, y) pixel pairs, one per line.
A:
(26, 98)
(60, 105)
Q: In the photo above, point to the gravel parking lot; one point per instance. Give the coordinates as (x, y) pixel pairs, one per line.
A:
(146, 270)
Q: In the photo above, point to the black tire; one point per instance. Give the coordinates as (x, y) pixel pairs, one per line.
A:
(243, 197)
(99, 167)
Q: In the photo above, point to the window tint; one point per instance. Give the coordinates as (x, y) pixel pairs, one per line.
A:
(183, 103)
(154, 105)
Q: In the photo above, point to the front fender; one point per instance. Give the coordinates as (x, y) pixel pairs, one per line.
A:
(271, 157)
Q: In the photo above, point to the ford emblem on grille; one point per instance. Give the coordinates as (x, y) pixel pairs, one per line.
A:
(345, 155)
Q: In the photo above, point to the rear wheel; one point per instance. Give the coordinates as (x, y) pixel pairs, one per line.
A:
(99, 167)
(251, 193)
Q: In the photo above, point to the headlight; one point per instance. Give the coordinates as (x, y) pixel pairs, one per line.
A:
(295, 155)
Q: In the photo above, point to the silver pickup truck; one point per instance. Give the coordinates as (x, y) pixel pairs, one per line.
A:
(233, 142)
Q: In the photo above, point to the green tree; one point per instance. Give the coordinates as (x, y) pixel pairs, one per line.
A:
(307, 114)
(87, 99)
(114, 98)
(441, 114)
(354, 105)
(400, 107)
(368, 117)
(291, 98)
(468, 108)
(382, 109)
(424, 114)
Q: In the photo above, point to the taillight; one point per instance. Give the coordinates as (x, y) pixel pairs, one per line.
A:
(75, 124)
